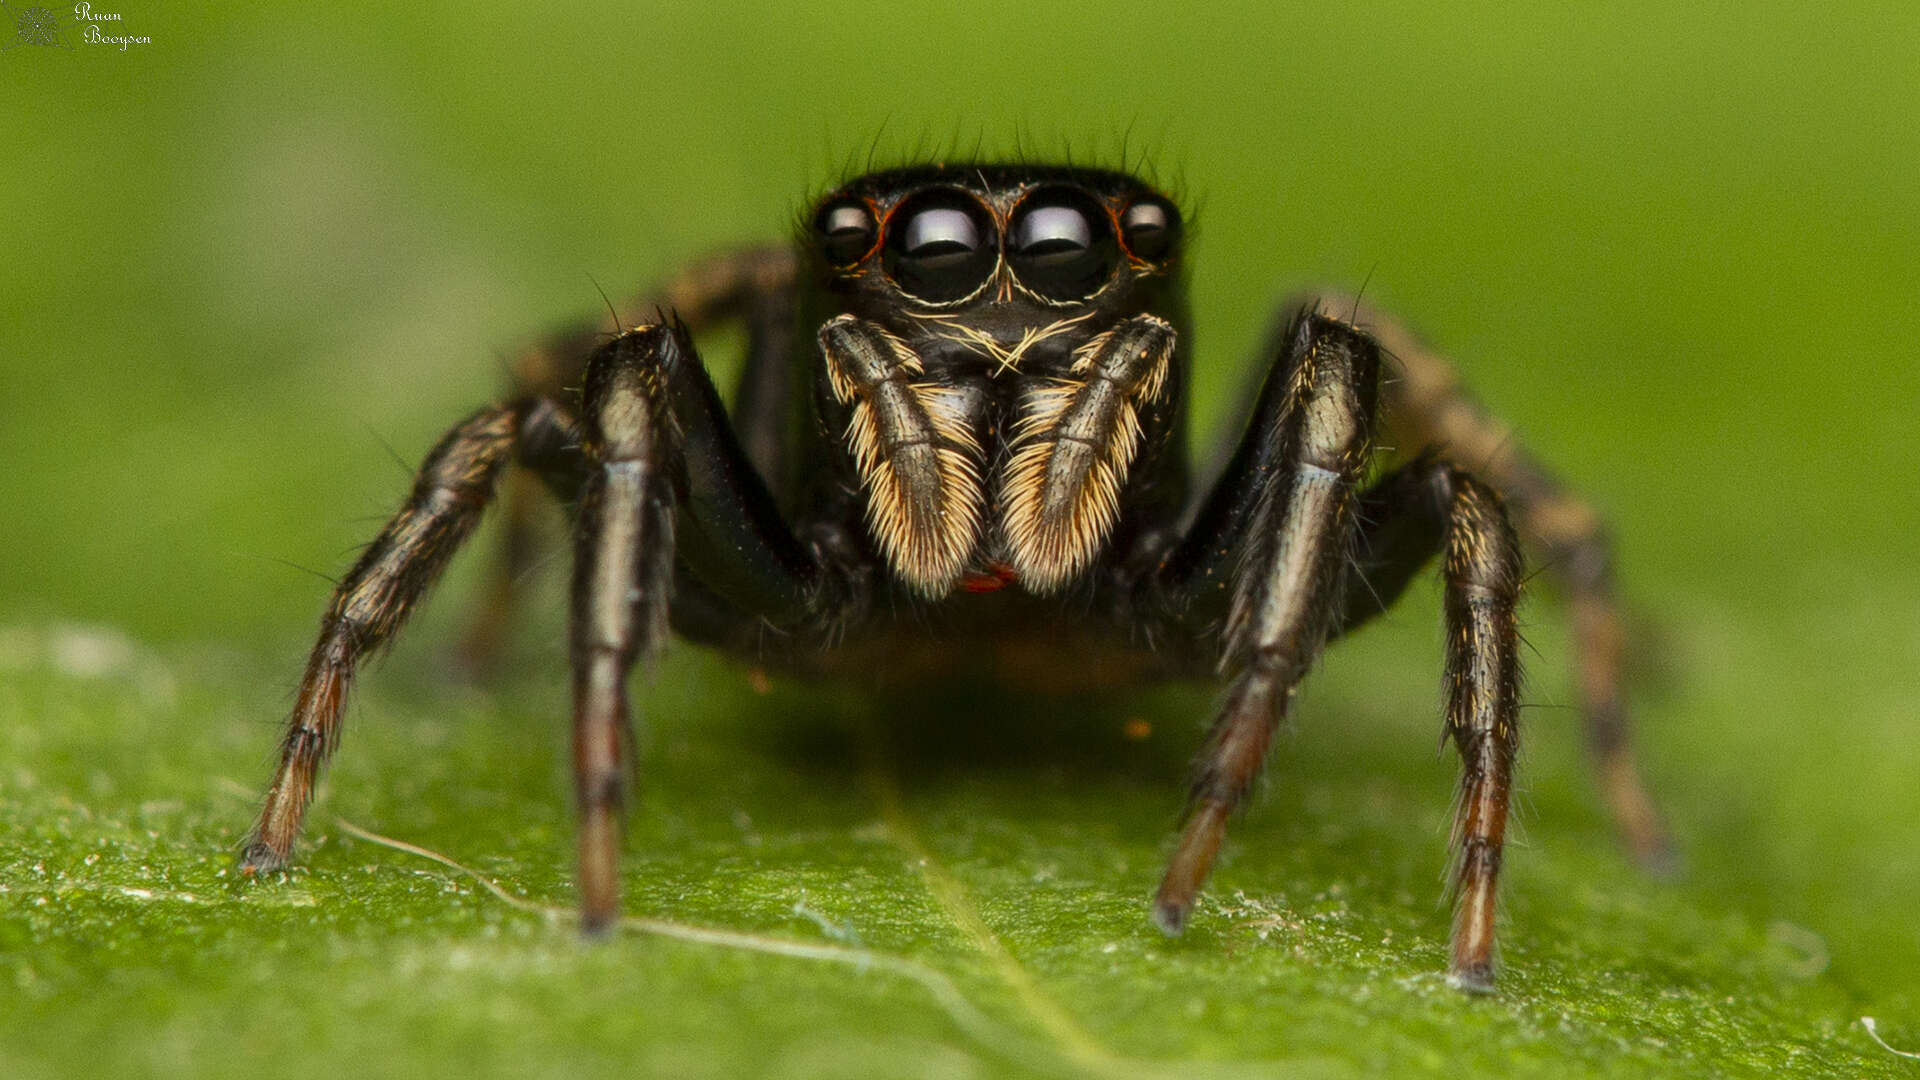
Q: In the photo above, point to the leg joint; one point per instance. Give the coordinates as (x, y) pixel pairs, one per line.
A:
(1480, 857)
(602, 788)
(1281, 663)
(305, 742)
(1482, 547)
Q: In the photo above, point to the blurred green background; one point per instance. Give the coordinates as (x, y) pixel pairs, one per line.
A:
(246, 264)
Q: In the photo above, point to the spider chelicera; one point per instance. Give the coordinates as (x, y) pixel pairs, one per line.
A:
(960, 427)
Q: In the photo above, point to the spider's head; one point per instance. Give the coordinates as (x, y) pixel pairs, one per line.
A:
(970, 321)
(975, 259)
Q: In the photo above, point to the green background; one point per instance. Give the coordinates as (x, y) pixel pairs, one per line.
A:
(1678, 249)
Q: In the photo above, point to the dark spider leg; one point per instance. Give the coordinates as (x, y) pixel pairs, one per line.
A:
(453, 487)
(1483, 713)
(1403, 525)
(752, 285)
(1427, 407)
(764, 393)
(1281, 523)
(665, 478)
(1420, 510)
(623, 564)
(549, 448)
(550, 372)
(708, 293)
(735, 541)
(486, 632)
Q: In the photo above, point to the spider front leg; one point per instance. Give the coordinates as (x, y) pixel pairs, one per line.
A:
(622, 573)
(1274, 536)
(1279, 530)
(660, 460)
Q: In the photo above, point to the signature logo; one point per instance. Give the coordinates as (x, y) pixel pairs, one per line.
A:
(42, 26)
(33, 26)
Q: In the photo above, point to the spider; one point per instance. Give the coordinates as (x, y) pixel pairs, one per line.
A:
(959, 429)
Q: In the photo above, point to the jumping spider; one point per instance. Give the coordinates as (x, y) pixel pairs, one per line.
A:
(960, 426)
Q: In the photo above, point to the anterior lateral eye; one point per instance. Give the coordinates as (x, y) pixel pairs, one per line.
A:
(940, 245)
(846, 232)
(1150, 228)
(1062, 245)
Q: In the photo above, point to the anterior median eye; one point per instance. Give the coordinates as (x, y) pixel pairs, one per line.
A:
(846, 232)
(940, 237)
(1052, 234)
(1063, 247)
(939, 245)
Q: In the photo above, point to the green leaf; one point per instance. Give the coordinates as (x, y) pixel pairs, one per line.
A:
(820, 884)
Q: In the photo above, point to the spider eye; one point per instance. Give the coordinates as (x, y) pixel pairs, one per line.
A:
(1149, 228)
(1052, 234)
(1062, 245)
(846, 232)
(938, 245)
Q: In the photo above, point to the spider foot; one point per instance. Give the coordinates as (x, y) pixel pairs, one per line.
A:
(1475, 979)
(259, 860)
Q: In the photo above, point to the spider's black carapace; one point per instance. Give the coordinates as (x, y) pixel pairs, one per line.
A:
(959, 432)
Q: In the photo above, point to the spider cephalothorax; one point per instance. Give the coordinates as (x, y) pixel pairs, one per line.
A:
(996, 345)
(970, 380)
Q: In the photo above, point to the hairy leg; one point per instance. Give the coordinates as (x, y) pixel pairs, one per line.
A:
(452, 489)
(667, 495)
(1281, 531)
(1426, 408)
(1420, 510)
(623, 565)
(649, 450)
(752, 286)
(1276, 532)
